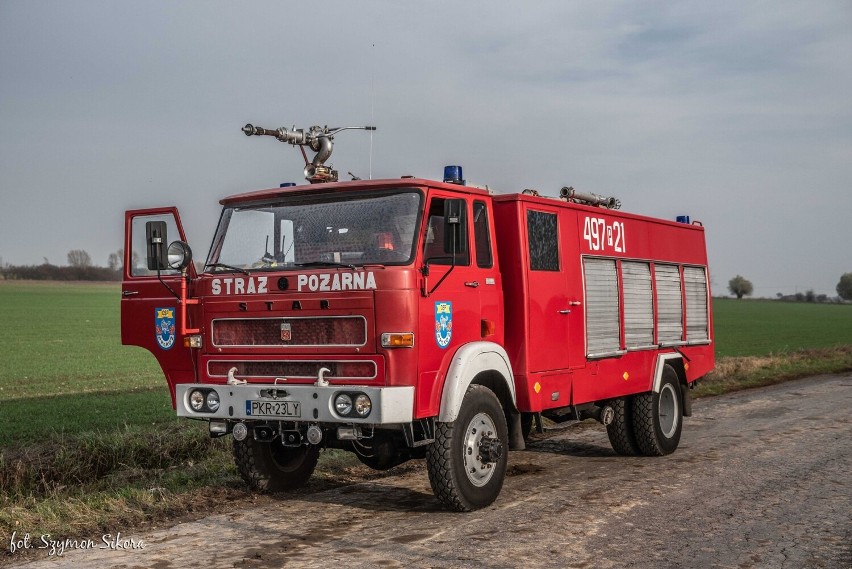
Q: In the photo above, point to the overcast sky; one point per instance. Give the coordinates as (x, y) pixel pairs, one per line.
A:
(738, 114)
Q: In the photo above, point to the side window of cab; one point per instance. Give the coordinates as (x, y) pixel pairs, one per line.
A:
(136, 259)
(437, 246)
(482, 235)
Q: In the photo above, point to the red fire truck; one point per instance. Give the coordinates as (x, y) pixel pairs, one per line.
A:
(410, 318)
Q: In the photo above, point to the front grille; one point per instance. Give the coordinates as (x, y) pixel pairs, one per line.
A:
(360, 369)
(301, 331)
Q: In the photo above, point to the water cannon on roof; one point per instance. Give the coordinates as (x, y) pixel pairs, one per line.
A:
(569, 194)
(319, 139)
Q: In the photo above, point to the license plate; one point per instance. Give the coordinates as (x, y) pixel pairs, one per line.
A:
(273, 408)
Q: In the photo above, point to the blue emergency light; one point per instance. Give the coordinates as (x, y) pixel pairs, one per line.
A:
(683, 219)
(453, 175)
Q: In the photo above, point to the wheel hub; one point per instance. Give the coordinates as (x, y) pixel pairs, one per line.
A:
(490, 449)
(481, 450)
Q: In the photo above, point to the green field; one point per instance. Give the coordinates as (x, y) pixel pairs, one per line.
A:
(64, 369)
(761, 327)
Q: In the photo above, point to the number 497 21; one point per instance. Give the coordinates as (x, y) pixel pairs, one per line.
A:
(602, 236)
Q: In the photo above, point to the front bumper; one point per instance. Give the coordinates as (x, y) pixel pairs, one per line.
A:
(391, 405)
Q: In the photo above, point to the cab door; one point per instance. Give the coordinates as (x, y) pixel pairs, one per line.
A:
(149, 310)
(450, 313)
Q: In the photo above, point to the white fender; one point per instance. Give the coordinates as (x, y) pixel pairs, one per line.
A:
(470, 360)
(661, 363)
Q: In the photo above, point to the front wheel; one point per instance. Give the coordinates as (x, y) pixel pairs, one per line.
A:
(467, 462)
(658, 417)
(272, 467)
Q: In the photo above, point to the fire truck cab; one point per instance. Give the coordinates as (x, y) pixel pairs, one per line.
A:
(409, 318)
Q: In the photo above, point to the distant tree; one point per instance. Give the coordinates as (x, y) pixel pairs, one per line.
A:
(779, 295)
(810, 295)
(740, 286)
(79, 258)
(844, 287)
(800, 297)
(822, 298)
(116, 260)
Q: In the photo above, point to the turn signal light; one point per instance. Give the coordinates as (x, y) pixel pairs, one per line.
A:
(398, 340)
(192, 341)
(488, 328)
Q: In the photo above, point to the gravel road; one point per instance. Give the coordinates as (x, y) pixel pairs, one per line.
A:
(761, 479)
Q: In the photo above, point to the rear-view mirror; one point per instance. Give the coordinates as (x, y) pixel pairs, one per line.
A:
(156, 238)
(455, 228)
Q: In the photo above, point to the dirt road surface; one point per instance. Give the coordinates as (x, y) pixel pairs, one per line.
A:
(761, 479)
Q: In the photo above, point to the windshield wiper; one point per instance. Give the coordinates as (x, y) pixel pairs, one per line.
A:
(325, 264)
(224, 266)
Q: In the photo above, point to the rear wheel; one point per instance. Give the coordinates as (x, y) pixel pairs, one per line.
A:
(658, 417)
(272, 467)
(467, 462)
(620, 431)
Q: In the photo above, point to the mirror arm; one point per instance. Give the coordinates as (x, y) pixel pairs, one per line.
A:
(453, 266)
(162, 282)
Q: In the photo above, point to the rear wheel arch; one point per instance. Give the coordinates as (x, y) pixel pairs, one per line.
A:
(676, 362)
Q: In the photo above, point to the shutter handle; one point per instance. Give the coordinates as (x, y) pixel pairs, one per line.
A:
(575, 303)
(566, 311)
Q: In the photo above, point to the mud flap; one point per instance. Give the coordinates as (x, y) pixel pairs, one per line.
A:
(516, 434)
(687, 400)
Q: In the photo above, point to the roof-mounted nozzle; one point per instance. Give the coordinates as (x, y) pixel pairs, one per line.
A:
(569, 194)
(320, 139)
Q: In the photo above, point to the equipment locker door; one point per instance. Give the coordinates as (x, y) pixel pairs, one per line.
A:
(554, 309)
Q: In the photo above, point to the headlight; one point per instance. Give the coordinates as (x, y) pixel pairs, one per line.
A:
(179, 255)
(343, 404)
(363, 405)
(213, 401)
(196, 400)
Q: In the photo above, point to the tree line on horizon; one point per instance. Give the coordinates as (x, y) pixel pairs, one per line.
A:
(79, 268)
(739, 286)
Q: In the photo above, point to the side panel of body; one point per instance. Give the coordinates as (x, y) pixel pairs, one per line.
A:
(585, 232)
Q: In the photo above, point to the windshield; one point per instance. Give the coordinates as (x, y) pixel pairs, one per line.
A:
(317, 230)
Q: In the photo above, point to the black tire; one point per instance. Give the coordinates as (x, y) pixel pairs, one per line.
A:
(272, 467)
(379, 454)
(658, 417)
(464, 475)
(620, 431)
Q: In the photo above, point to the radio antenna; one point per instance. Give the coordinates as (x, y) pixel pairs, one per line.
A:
(372, 103)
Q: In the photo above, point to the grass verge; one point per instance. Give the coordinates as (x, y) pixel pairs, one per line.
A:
(736, 373)
(82, 484)
(33, 420)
